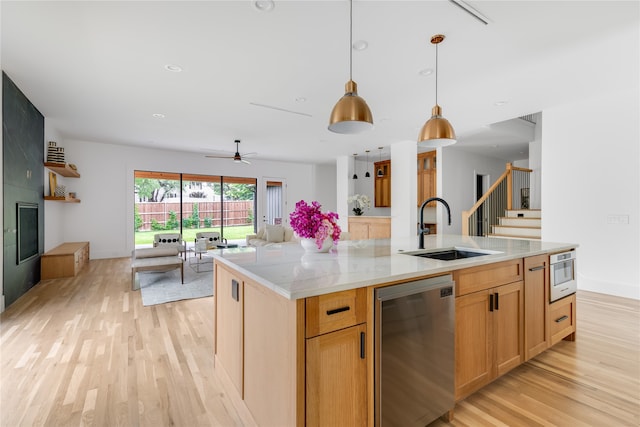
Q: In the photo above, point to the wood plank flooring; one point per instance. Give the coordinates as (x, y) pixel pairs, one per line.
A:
(84, 351)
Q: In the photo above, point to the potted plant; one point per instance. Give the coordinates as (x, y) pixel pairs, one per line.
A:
(309, 222)
(360, 202)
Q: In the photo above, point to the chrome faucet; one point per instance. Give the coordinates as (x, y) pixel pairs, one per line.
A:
(421, 228)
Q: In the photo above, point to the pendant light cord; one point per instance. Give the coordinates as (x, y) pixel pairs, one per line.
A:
(437, 73)
(350, 39)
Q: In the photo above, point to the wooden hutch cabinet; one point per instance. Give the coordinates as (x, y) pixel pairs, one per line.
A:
(383, 184)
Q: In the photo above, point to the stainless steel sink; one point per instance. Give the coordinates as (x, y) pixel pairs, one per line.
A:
(451, 254)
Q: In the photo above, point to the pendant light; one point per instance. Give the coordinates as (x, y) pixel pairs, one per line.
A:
(437, 131)
(351, 113)
(354, 166)
(367, 175)
(380, 172)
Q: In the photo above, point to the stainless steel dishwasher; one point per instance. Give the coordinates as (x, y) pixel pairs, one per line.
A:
(414, 357)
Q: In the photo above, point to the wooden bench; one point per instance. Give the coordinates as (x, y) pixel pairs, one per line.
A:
(155, 259)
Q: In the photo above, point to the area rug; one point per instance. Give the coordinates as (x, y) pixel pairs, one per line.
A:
(160, 288)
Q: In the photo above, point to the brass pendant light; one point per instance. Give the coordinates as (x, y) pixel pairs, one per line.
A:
(437, 131)
(351, 113)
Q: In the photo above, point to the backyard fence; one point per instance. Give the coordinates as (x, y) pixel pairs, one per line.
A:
(210, 214)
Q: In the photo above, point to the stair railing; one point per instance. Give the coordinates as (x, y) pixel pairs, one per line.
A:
(510, 191)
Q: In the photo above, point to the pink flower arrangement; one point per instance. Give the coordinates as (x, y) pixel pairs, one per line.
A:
(308, 221)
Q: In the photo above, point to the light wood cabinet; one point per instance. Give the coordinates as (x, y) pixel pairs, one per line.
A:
(65, 260)
(368, 227)
(426, 176)
(337, 378)
(336, 366)
(229, 324)
(536, 295)
(489, 324)
(382, 184)
(562, 320)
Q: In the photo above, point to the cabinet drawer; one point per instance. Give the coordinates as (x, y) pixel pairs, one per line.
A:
(562, 318)
(484, 277)
(327, 313)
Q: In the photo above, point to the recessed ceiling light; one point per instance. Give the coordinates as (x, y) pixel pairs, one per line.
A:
(158, 116)
(264, 5)
(301, 99)
(173, 68)
(360, 45)
(500, 103)
(426, 72)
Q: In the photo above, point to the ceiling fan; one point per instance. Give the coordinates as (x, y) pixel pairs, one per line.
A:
(236, 157)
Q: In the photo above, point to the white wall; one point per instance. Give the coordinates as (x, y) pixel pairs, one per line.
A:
(591, 163)
(325, 186)
(106, 189)
(54, 232)
(404, 189)
(457, 171)
(535, 164)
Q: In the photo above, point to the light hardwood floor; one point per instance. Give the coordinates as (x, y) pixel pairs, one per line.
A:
(84, 351)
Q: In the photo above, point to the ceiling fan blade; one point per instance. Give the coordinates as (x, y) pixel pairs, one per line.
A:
(253, 153)
(219, 157)
(245, 161)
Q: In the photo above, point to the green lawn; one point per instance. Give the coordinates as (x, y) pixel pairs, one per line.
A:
(237, 232)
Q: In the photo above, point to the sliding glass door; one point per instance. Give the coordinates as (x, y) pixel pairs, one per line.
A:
(189, 203)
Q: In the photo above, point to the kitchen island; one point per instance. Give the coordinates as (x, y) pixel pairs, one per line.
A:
(294, 330)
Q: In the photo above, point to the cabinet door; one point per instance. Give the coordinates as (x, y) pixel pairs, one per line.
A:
(508, 304)
(536, 295)
(229, 299)
(379, 230)
(562, 320)
(382, 185)
(473, 343)
(426, 176)
(337, 379)
(358, 230)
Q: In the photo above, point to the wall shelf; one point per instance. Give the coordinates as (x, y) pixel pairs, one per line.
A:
(62, 169)
(62, 199)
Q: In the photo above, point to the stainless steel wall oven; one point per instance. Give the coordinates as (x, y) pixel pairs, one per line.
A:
(563, 275)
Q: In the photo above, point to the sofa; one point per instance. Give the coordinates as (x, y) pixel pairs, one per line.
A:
(272, 235)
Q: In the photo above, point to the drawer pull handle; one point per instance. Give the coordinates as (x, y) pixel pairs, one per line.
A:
(235, 290)
(338, 310)
(540, 267)
(491, 302)
(560, 319)
(362, 344)
(497, 301)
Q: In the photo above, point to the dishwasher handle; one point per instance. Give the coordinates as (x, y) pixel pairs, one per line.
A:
(415, 287)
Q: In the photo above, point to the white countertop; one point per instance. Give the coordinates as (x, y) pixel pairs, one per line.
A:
(293, 273)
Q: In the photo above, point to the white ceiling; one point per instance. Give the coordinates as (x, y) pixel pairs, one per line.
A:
(96, 69)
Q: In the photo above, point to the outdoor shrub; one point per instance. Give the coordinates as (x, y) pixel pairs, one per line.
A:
(186, 222)
(207, 222)
(172, 222)
(195, 216)
(137, 218)
(155, 225)
(249, 216)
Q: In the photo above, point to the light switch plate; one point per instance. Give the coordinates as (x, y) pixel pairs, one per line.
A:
(617, 219)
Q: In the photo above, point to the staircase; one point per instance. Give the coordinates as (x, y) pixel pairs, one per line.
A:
(518, 224)
(509, 195)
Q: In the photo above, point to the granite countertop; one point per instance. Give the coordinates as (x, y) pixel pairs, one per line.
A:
(293, 273)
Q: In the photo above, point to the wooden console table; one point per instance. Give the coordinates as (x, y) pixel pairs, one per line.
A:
(65, 260)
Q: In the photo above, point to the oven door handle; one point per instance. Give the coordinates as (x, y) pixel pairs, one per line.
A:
(540, 267)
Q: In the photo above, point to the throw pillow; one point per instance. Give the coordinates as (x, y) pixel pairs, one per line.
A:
(275, 233)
